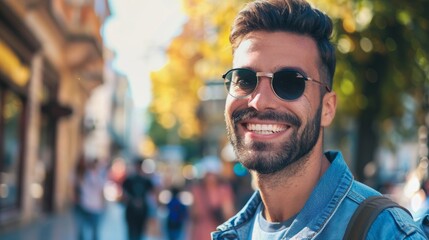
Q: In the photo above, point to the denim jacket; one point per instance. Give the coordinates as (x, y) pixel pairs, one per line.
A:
(328, 211)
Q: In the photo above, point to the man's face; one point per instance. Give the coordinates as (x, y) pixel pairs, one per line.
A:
(268, 133)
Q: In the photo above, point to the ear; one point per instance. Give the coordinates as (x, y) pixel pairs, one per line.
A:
(329, 108)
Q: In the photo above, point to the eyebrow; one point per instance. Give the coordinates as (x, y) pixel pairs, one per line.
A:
(295, 68)
(278, 68)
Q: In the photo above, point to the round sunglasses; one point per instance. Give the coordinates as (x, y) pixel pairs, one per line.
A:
(287, 84)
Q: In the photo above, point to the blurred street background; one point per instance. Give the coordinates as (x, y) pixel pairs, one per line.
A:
(89, 88)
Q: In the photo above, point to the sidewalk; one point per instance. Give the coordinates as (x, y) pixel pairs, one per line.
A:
(62, 227)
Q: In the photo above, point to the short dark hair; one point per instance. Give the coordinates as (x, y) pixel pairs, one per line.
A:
(295, 16)
(138, 161)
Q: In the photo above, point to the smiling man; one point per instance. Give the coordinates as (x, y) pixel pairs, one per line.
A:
(280, 100)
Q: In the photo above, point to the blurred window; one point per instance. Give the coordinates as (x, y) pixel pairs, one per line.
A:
(12, 109)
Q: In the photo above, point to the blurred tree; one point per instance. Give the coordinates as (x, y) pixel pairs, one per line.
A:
(200, 53)
(382, 69)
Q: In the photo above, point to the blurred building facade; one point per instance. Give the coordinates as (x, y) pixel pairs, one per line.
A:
(108, 118)
(51, 59)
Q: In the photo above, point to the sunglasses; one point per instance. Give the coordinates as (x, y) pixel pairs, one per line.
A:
(287, 84)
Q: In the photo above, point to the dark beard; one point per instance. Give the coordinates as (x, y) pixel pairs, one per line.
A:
(289, 152)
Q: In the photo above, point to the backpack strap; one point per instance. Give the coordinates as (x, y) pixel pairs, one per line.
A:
(365, 215)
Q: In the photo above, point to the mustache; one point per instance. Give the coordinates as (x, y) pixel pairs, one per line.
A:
(244, 114)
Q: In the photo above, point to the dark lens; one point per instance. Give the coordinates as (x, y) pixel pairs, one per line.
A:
(288, 85)
(240, 82)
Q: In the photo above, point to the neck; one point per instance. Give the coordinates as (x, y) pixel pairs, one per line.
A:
(285, 193)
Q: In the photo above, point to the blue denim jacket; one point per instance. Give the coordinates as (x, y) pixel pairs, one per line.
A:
(328, 211)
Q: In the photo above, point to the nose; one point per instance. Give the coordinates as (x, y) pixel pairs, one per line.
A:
(263, 97)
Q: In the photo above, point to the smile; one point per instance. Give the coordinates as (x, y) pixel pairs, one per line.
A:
(266, 128)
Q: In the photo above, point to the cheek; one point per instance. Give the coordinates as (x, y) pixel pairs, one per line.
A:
(313, 98)
(306, 108)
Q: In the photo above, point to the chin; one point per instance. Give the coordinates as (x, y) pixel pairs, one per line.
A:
(263, 163)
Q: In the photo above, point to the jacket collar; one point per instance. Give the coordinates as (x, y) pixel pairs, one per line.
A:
(324, 200)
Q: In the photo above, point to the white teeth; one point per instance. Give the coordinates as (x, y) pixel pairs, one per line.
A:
(266, 128)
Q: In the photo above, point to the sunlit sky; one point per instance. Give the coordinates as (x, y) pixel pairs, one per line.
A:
(139, 31)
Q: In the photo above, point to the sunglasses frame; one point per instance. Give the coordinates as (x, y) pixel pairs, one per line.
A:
(271, 76)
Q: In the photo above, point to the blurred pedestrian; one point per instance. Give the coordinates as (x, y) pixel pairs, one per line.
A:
(177, 216)
(90, 203)
(213, 204)
(137, 190)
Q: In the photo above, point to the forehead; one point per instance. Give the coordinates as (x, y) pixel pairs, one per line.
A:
(269, 51)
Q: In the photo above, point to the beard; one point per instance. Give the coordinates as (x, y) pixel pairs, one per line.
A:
(262, 157)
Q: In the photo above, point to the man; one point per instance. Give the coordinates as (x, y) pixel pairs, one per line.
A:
(90, 203)
(280, 100)
(137, 189)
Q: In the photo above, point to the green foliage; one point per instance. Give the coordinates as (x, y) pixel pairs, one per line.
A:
(382, 57)
(382, 72)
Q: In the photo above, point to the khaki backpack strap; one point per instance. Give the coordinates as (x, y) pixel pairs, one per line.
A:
(365, 215)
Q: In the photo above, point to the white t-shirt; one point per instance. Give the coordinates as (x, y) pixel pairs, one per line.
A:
(91, 190)
(262, 229)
